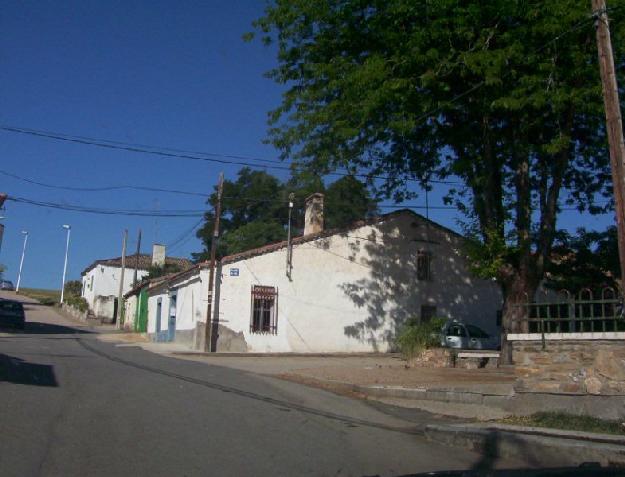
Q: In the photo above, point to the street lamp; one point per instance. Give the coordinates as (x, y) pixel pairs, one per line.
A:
(19, 274)
(1, 230)
(69, 229)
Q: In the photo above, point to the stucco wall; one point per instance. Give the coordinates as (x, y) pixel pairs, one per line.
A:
(106, 282)
(191, 302)
(130, 312)
(350, 292)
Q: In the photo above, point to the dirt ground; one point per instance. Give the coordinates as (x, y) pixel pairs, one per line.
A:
(382, 370)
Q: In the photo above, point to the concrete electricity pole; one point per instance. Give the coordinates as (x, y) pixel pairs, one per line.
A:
(120, 295)
(69, 229)
(614, 124)
(134, 278)
(209, 333)
(19, 274)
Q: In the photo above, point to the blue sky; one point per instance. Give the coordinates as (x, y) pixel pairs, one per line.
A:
(164, 73)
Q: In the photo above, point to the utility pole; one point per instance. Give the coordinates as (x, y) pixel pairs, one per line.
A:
(19, 275)
(69, 231)
(134, 278)
(208, 331)
(614, 124)
(120, 296)
(289, 246)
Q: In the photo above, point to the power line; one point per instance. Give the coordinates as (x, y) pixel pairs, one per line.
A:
(102, 211)
(180, 240)
(168, 152)
(102, 189)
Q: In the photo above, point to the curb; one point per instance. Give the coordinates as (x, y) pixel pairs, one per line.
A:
(433, 394)
(532, 444)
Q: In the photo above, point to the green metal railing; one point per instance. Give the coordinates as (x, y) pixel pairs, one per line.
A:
(580, 314)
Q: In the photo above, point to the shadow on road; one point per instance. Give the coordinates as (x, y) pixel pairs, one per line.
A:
(37, 328)
(18, 371)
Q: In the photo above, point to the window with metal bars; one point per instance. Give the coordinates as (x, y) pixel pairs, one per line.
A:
(264, 310)
(424, 260)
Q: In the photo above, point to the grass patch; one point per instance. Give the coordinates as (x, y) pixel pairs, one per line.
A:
(45, 297)
(569, 422)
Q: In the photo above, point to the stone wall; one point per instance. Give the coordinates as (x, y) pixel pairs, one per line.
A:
(75, 312)
(570, 366)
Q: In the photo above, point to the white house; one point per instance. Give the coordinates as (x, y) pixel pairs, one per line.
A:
(100, 280)
(345, 290)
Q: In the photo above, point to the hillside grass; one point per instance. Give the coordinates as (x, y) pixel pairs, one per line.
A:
(45, 297)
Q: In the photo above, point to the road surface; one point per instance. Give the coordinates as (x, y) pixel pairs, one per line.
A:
(72, 405)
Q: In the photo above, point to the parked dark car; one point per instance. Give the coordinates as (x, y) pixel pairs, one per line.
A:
(12, 314)
(6, 285)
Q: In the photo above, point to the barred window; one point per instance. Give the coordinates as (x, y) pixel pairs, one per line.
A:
(264, 311)
(424, 260)
(427, 313)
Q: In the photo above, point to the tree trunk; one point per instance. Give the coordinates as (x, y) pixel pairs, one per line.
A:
(519, 291)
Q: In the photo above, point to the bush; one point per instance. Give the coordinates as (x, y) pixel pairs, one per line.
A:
(416, 337)
(77, 302)
(73, 288)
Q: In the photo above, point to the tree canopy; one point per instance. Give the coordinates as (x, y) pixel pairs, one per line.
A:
(587, 259)
(255, 209)
(502, 97)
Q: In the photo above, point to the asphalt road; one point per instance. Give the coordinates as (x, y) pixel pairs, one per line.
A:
(71, 405)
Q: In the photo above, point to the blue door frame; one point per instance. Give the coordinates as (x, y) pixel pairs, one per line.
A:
(171, 324)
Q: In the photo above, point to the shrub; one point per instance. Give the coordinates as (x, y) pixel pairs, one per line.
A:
(77, 302)
(73, 287)
(416, 337)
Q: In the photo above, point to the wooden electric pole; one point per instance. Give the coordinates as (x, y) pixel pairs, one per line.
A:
(120, 296)
(614, 124)
(134, 277)
(210, 335)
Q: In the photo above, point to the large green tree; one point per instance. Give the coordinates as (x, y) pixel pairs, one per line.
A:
(585, 260)
(255, 208)
(503, 96)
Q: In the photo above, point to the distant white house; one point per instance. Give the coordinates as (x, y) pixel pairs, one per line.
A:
(100, 280)
(346, 290)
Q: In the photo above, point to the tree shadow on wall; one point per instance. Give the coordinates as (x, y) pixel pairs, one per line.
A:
(391, 293)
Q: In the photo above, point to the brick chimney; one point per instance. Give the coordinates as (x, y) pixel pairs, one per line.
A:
(313, 218)
(158, 255)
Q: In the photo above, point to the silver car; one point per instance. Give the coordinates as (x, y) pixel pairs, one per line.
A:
(459, 335)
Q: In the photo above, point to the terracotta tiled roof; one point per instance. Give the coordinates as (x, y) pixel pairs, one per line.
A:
(328, 233)
(145, 261)
(307, 238)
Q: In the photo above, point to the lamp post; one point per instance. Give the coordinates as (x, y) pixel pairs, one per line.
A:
(19, 274)
(1, 231)
(69, 229)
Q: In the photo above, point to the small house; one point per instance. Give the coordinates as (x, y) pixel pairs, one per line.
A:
(101, 279)
(346, 290)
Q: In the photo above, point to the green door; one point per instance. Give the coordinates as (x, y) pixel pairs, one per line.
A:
(141, 320)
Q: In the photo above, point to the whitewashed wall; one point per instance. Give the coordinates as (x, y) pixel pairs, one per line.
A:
(130, 312)
(191, 302)
(350, 292)
(152, 307)
(106, 282)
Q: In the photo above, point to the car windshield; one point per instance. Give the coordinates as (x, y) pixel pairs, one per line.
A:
(10, 307)
(475, 332)
(456, 330)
